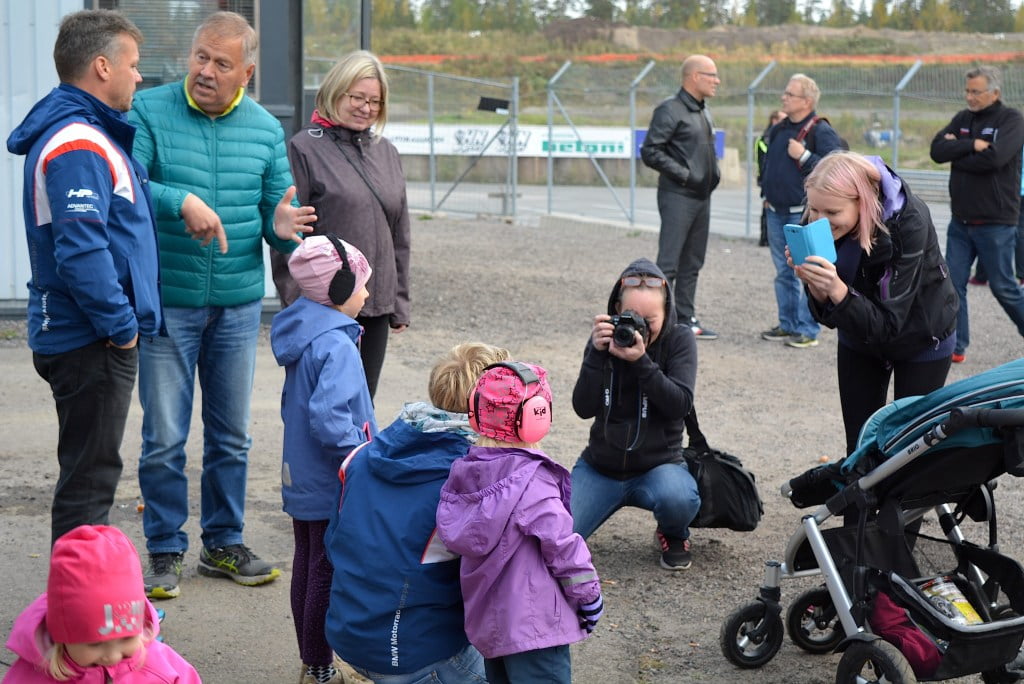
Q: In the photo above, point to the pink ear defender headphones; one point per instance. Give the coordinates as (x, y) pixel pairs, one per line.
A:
(532, 415)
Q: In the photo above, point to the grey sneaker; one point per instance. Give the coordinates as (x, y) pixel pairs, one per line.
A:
(802, 341)
(162, 575)
(236, 562)
(675, 553)
(776, 334)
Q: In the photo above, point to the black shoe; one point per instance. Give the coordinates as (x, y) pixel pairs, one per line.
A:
(675, 553)
(162, 575)
(236, 562)
(700, 332)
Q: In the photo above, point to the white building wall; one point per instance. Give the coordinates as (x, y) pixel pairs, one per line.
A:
(28, 31)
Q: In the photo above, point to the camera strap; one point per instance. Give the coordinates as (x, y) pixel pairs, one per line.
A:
(608, 388)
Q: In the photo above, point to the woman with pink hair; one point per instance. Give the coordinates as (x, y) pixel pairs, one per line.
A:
(888, 294)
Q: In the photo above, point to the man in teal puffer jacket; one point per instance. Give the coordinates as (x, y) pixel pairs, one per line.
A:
(219, 171)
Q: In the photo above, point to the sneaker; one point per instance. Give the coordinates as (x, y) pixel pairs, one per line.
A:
(162, 575)
(776, 334)
(700, 332)
(328, 674)
(675, 553)
(974, 280)
(801, 341)
(236, 562)
(959, 358)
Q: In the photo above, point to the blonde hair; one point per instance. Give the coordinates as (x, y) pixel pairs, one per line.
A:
(851, 176)
(353, 67)
(453, 377)
(810, 88)
(56, 656)
(230, 25)
(483, 441)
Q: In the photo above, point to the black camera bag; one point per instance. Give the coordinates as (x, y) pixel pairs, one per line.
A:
(728, 492)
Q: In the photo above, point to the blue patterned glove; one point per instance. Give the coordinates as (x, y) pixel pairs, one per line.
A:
(590, 613)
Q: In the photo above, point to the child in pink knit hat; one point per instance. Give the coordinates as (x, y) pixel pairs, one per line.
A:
(327, 411)
(94, 623)
(528, 582)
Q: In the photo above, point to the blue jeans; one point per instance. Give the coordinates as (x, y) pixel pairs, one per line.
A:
(92, 390)
(794, 315)
(465, 667)
(994, 246)
(221, 343)
(668, 491)
(551, 665)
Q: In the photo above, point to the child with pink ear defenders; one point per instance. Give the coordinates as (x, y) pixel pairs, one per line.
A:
(528, 583)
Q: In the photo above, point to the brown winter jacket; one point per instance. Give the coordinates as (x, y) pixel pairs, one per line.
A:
(346, 207)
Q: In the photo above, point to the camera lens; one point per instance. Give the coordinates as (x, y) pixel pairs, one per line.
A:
(624, 334)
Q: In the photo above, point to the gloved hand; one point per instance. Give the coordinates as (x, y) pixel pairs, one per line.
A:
(590, 613)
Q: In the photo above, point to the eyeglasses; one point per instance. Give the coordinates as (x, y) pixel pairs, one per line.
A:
(969, 92)
(786, 93)
(360, 100)
(642, 281)
(709, 74)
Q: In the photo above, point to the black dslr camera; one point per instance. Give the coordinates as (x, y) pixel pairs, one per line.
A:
(627, 323)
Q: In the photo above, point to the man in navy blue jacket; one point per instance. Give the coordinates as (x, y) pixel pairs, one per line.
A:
(795, 145)
(92, 244)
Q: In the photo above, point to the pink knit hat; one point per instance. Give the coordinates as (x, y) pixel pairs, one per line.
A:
(315, 263)
(94, 591)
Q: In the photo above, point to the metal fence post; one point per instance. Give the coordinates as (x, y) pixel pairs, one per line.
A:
(513, 154)
(432, 162)
(551, 127)
(632, 139)
(750, 135)
(896, 112)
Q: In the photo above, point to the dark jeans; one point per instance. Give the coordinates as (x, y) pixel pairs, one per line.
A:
(682, 245)
(864, 383)
(550, 665)
(92, 389)
(311, 591)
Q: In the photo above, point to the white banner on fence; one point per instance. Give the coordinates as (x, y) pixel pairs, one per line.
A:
(532, 141)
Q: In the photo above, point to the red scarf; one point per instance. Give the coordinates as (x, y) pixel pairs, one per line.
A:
(317, 119)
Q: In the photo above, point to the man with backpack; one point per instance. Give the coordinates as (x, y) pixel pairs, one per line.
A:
(795, 145)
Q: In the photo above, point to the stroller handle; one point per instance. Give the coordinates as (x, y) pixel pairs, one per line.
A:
(960, 418)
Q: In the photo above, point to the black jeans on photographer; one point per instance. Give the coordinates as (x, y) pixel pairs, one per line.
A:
(92, 388)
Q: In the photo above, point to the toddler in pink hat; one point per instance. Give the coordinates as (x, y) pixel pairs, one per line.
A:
(94, 623)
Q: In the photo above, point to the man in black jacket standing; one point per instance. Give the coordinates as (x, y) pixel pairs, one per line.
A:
(983, 142)
(680, 146)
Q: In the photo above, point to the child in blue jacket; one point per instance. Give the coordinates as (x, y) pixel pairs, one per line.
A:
(327, 411)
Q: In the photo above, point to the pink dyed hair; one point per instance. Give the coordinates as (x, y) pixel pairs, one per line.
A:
(850, 176)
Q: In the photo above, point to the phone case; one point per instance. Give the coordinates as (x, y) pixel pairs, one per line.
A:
(813, 239)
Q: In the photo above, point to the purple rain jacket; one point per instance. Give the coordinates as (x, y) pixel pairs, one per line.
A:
(524, 571)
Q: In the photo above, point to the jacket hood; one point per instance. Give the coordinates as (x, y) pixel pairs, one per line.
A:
(644, 266)
(482, 492)
(416, 447)
(302, 322)
(30, 641)
(64, 102)
(891, 189)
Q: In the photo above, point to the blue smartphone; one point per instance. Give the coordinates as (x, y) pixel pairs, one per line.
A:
(814, 239)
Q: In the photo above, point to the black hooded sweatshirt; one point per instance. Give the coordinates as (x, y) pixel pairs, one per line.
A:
(622, 443)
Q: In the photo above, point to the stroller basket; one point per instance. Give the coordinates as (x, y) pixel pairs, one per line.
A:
(973, 648)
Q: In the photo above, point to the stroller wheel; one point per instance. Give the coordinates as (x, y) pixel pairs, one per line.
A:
(751, 636)
(874, 661)
(812, 622)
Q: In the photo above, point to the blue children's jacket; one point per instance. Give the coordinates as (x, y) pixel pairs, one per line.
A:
(325, 404)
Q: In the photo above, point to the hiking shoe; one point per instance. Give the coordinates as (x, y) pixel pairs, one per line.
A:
(236, 562)
(776, 334)
(700, 332)
(959, 358)
(801, 341)
(163, 574)
(675, 553)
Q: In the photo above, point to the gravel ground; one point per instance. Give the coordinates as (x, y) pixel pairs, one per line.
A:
(534, 290)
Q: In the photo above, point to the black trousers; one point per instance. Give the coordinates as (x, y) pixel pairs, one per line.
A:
(373, 347)
(864, 383)
(92, 389)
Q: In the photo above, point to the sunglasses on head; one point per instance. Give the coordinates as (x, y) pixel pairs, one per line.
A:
(642, 281)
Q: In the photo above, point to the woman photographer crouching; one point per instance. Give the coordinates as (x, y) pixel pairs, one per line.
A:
(638, 389)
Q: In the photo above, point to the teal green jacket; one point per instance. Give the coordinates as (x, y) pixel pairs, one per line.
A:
(238, 165)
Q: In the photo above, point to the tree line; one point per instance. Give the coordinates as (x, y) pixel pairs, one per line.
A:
(986, 16)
